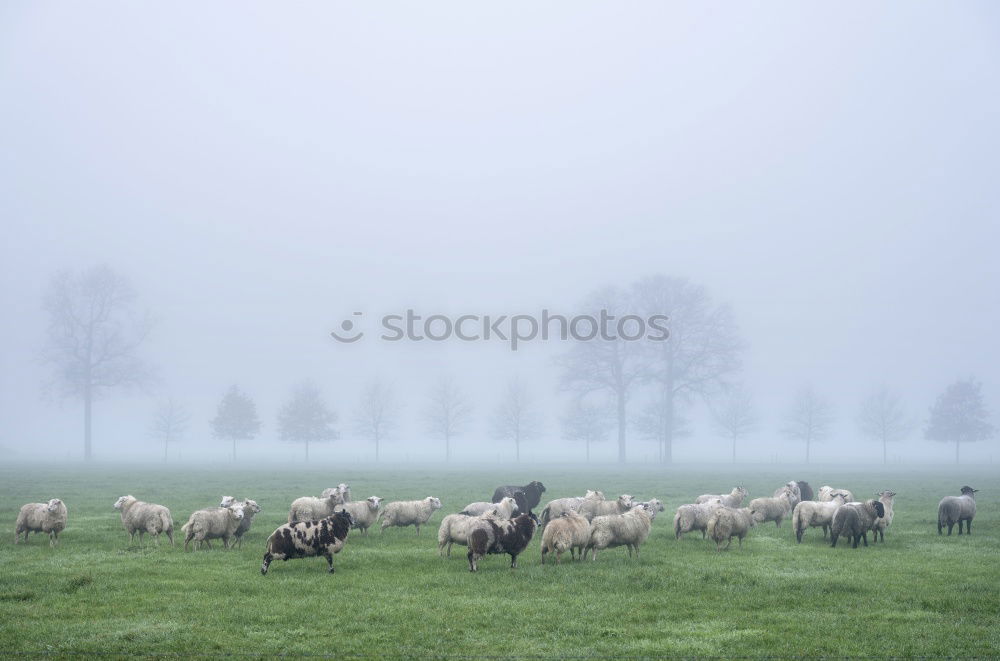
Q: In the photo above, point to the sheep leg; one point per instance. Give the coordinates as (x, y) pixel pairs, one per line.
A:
(266, 563)
(329, 561)
(170, 535)
(825, 530)
(544, 551)
(968, 526)
(951, 525)
(513, 561)
(418, 527)
(187, 539)
(52, 538)
(225, 543)
(471, 555)
(864, 536)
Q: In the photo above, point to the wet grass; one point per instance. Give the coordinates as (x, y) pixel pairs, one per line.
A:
(917, 595)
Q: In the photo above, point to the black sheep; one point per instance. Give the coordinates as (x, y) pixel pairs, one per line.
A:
(493, 536)
(531, 495)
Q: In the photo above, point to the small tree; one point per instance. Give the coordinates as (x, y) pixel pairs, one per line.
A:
(377, 413)
(447, 412)
(169, 424)
(93, 338)
(883, 419)
(588, 423)
(959, 415)
(236, 418)
(515, 418)
(734, 415)
(809, 419)
(305, 417)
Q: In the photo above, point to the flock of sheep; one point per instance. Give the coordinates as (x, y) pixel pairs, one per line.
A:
(319, 526)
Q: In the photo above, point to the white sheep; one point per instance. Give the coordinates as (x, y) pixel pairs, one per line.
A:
(694, 516)
(341, 491)
(879, 527)
(555, 508)
(732, 499)
(728, 522)
(455, 529)
(793, 491)
(654, 506)
(815, 514)
(569, 532)
(402, 513)
(250, 509)
(364, 512)
(49, 518)
(309, 508)
(140, 517)
(505, 509)
(955, 509)
(825, 494)
(592, 507)
(629, 529)
(773, 509)
(213, 523)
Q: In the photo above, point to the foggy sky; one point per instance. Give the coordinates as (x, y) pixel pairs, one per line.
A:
(260, 171)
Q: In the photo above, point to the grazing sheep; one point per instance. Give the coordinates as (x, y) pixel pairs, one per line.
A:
(826, 494)
(532, 494)
(592, 507)
(728, 522)
(813, 514)
(732, 499)
(694, 516)
(250, 509)
(504, 508)
(308, 538)
(884, 521)
(140, 517)
(47, 517)
(489, 535)
(854, 520)
(629, 530)
(792, 488)
(364, 512)
(569, 531)
(773, 509)
(342, 492)
(404, 513)
(213, 523)
(308, 508)
(555, 508)
(955, 509)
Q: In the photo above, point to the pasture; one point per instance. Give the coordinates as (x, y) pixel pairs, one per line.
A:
(917, 595)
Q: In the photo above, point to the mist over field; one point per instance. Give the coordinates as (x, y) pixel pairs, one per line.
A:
(824, 178)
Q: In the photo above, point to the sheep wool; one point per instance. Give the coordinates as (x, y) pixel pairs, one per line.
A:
(140, 517)
(694, 516)
(213, 523)
(593, 507)
(854, 520)
(955, 509)
(629, 530)
(732, 499)
(569, 532)
(773, 509)
(402, 513)
(826, 494)
(883, 522)
(309, 508)
(250, 509)
(815, 514)
(364, 512)
(555, 508)
(505, 508)
(48, 518)
(489, 535)
(305, 539)
(728, 522)
(531, 495)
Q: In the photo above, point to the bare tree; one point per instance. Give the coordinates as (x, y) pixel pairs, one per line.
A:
(734, 415)
(447, 412)
(236, 418)
(305, 417)
(701, 354)
(959, 415)
(515, 418)
(809, 419)
(93, 338)
(652, 425)
(599, 365)
(377, 414)
(883, 419)
(170, 424)
(587, 422)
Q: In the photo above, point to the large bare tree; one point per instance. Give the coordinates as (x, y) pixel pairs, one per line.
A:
(377, 414)
(448, 411)
(169, 424)
(93, 338)
(809, 419)
(305, 418)
(959, 415)
(701, 355)
(734, 415)
(613, 367)
(587, 422)
(515, 418)
(236, 418)
(883, 419)
(651, 421)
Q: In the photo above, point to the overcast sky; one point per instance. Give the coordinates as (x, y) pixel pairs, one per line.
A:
(260, 171)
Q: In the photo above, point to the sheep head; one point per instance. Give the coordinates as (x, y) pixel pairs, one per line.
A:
(227, 501)
(435, 503)
(54, 504)
(373, 502)
(122, 500)
(968, 491)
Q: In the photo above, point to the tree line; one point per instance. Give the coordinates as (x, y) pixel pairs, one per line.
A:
(615, 385)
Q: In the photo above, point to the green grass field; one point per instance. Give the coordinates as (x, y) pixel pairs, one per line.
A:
(918, 595)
